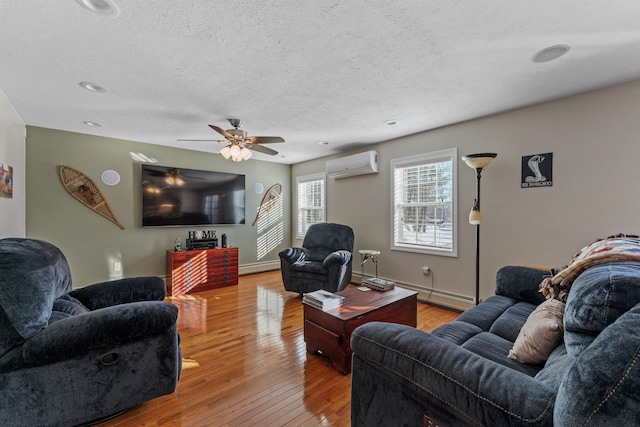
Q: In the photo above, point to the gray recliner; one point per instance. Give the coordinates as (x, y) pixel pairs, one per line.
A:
(323, 262)
(70, 357)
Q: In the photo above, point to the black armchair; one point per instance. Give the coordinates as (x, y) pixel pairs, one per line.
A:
(323, 262)
(70, 357)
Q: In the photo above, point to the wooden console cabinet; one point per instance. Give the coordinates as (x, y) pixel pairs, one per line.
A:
(193, 271)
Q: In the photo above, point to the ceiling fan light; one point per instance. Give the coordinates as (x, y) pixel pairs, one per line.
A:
(246, 153)
(226, 152)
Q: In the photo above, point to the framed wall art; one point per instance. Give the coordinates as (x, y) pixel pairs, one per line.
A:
(6, 181)
(537, 170)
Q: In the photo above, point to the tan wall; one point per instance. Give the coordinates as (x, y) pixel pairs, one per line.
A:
(92, 243)
(12, 148)
(595, 138)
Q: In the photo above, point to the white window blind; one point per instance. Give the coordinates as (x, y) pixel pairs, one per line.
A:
(311, 202)
(424, 203)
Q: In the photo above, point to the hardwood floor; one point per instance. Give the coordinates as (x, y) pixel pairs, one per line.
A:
(253, 367)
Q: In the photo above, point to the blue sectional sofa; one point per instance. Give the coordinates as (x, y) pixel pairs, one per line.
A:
(460, 374)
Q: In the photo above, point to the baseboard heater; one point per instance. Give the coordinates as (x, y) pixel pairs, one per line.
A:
(439, 297)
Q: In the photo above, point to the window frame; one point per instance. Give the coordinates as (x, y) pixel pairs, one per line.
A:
(418, 160)
(300, 222)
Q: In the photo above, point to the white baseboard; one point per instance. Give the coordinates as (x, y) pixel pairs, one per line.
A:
(258, 267)
(435, 296)
(250, 268)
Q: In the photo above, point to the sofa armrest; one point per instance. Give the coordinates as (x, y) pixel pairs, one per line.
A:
(101, 329)
(291, 255)
(341, 257)
(601, 387)
(521, 283)
(122, 291)
(401, 374)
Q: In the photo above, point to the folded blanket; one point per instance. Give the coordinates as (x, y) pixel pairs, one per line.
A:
(614, 248)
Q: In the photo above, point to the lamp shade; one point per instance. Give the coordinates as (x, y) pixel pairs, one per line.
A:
(480, 160)
(475, 217)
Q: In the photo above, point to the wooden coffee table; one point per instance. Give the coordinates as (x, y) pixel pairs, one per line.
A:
(329, 332)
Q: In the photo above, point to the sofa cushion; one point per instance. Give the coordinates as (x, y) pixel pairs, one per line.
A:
(489, 330)
(597, 298)
(515, 282)
(541, 333)
(556, 366)
(33, 274)
(308, 267)
(485, 314)
(66, 306)
(512, 320)
(494, 348)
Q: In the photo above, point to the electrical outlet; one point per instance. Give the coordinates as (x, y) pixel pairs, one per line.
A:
(426, 270)
(117, 266)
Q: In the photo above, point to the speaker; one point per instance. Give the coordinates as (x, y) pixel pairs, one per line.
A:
(224, 240)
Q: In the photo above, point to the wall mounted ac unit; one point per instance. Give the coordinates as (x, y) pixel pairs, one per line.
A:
(356, 164)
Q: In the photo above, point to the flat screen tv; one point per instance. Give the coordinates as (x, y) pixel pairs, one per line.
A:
(182, 197)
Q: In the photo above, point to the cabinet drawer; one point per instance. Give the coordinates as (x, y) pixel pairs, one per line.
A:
(320, 335)
(192, 271)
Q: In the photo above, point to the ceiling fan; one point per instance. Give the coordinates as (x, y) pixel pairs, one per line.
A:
(239, 143)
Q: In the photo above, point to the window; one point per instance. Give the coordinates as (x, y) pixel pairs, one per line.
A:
(311, 202)
(424, 203)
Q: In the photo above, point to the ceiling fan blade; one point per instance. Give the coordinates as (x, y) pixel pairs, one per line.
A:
(264, 139)
(262, 149)
(222, 132)
(207, 140)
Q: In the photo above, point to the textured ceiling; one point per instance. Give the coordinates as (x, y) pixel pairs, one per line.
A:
(306, 71)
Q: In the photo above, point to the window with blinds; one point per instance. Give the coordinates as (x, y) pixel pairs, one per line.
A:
(424, 203)
(311, 202)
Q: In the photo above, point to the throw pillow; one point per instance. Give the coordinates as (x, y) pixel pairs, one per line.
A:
(541, 333)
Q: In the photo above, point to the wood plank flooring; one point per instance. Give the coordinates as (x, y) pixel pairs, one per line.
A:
(253, 367)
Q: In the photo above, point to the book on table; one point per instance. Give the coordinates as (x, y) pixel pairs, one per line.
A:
(324, 300)
(378, 284)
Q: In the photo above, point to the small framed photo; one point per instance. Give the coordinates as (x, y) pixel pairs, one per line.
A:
(6, 181)
(537, 170)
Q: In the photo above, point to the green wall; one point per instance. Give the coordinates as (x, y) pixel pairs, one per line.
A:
(92, 244)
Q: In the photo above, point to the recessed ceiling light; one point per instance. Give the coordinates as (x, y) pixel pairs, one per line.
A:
(323, 143)
(550, 53)
(102, 7)
(92, 87)
(93, 124)
(391, 122)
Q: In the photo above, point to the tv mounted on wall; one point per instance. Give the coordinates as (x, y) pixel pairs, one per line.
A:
(181, 197)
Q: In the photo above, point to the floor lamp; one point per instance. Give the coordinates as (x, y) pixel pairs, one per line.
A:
(477, 162)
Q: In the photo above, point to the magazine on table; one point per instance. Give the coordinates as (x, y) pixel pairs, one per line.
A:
(322, 299)
(378, 284)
